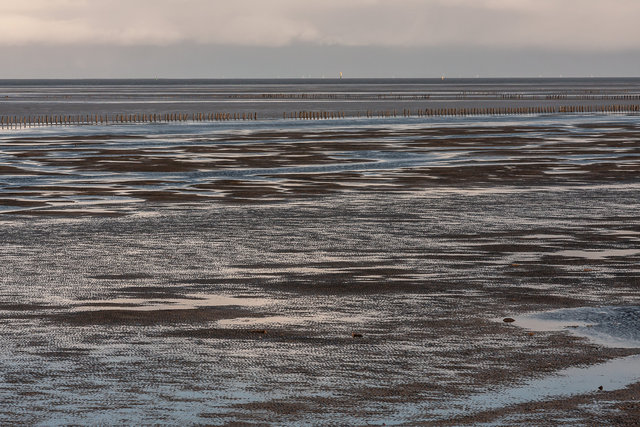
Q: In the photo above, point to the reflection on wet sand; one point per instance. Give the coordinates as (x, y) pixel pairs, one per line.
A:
(302, 162)
(188, 302)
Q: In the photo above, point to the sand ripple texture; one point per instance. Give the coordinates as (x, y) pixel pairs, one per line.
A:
(344, 272)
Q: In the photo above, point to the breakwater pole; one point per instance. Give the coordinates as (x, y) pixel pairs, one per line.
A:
(13, 121)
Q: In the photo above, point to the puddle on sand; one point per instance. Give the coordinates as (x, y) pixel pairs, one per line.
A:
(598, 254)
(189, 302)
(624, 232)
(612, 326)
(292, 320)
(612, 375)
(548, 236)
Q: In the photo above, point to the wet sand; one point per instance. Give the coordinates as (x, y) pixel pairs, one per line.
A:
(312, 274)
(306, 161)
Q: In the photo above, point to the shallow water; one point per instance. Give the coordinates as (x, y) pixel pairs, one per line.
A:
(612, 326)
(612, 375)
(188, 302)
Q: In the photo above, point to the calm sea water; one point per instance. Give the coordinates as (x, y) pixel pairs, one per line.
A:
(272, 98)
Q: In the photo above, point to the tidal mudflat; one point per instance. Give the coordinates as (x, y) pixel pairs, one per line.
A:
(338, 272)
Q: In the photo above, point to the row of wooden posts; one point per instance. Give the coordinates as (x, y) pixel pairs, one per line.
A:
(95, 119)
(593, 97)
(500, 111)
(476, 95)
(100, 119)
(314, 115)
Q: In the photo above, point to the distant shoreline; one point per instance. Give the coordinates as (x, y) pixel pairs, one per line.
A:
(356, 80)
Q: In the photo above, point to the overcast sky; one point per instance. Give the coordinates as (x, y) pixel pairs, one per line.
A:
(294, 38)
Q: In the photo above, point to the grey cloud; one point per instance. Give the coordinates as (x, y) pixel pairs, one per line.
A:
(548, 24)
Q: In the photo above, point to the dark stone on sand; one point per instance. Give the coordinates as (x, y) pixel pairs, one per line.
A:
(356, 335)
(508, 320)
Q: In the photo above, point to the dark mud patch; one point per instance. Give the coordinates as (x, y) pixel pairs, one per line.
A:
(22, 203)
(337, 284)
(168, 196)
(278, 335)
(14, 306)
(75, 138)
(145, 182)
(511, 248)
(148, 317)
(68, 213)
(525, 298)
(210, 280)
(105, 305)
(69, 190)
(536, 270)
(330, 265)
(148, 292)
(410, 392)
(12, 170)
(65, 353)
(123, 276)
